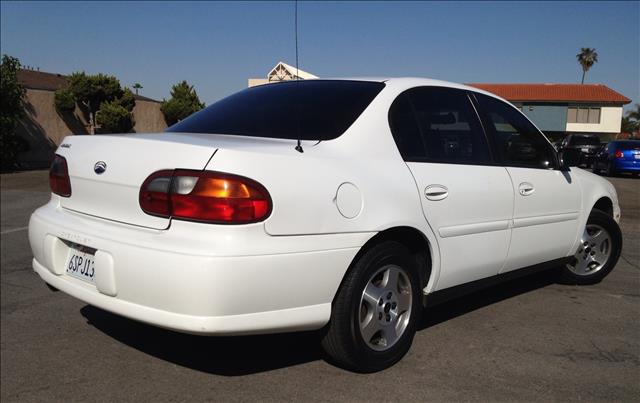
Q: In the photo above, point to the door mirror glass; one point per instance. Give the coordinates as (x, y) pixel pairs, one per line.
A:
(570, 157)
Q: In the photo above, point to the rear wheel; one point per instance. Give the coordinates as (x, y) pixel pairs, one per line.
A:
(375, 312)
(598, 252)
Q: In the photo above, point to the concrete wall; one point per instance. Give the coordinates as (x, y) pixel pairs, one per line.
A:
(43, 128)
(610, 121)
(148, 117)
(551, 118)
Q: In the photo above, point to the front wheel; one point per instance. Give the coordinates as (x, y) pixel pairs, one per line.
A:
(610, 170)
(374, 314)
(598, 251)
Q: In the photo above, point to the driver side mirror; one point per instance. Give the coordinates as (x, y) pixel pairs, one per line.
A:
(569, 157)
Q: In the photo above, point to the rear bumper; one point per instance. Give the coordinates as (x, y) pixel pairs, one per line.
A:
(172, 279)
(628, 166)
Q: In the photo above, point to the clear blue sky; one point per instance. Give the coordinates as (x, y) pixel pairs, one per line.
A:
(217, 46)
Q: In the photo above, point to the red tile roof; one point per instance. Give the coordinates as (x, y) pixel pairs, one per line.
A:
(555, 92)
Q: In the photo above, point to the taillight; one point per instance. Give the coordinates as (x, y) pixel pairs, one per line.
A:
(205, 196)
(619, 154)
(59, 177)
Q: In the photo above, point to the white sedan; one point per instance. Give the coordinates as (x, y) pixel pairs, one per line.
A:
(342, 205)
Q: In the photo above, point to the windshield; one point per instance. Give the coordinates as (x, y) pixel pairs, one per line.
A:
(311, 110)
(584, 141)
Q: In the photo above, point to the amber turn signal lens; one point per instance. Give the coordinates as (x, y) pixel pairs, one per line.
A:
(205, 196)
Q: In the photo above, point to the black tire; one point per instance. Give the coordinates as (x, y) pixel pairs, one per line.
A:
(610, 170)
(606, 222)
(343, 342)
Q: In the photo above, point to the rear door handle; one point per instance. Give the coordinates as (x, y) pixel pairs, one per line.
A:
(436, 192)
(526, 189)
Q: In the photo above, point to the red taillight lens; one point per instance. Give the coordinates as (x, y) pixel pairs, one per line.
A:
(59, 177)
(205, 196)
(619, 154)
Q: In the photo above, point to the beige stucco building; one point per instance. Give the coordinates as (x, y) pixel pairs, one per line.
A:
(281, 72)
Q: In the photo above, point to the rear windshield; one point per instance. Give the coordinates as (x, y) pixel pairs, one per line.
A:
(584, 141)
(312, 110)
(628, 145)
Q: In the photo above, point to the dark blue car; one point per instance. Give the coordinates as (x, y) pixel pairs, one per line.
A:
(617, 157)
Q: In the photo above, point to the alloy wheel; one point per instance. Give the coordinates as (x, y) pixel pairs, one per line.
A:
(385, 307)
(594, 251)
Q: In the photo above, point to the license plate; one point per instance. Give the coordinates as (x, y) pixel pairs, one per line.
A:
(585, 150)
(81, 264)
(636, 156)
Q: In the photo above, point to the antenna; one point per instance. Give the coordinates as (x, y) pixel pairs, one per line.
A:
(299, 146)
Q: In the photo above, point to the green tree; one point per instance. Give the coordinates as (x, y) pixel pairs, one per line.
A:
(11, 110)
(127, 100)
(137, 86)
(587, 58)
(90, 91)
(184, 101)
(64, 100)
(631, 122)
(634, 114)
(114, 118)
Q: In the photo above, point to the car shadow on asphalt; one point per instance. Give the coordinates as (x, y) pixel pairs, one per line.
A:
(244, 355)
(437, 314)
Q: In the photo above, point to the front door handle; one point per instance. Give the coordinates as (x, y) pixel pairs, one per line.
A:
(526, 189)
(436, 192)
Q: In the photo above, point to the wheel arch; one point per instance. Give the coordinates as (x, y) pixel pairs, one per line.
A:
(414, 239)
(604, 204)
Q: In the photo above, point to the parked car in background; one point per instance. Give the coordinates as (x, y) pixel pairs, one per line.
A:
(587, 144)
(341, 205)
(618, 156)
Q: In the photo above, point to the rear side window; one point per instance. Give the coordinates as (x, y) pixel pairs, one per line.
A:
(629, 145)
(517, 140)
(313, 110)
(444, 127)
(404, 127)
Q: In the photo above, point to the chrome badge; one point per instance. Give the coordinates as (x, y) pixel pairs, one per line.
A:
(100, 167)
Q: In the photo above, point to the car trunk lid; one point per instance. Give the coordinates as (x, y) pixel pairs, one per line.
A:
(127, 161)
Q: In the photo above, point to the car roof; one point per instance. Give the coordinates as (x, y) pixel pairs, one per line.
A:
(410, 82)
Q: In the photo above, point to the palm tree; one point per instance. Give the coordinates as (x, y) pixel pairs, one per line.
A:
(137, 86)
(587, 58)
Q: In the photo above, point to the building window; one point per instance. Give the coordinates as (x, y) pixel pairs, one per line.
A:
(583, 115)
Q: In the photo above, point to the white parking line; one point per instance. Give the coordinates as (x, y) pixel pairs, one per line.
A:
(13, 230)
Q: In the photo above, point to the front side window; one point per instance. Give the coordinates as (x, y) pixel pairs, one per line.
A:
(436, 124)
(309, 110)
(517, 141)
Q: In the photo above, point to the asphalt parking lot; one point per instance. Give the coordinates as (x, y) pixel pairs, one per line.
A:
(529, 339)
